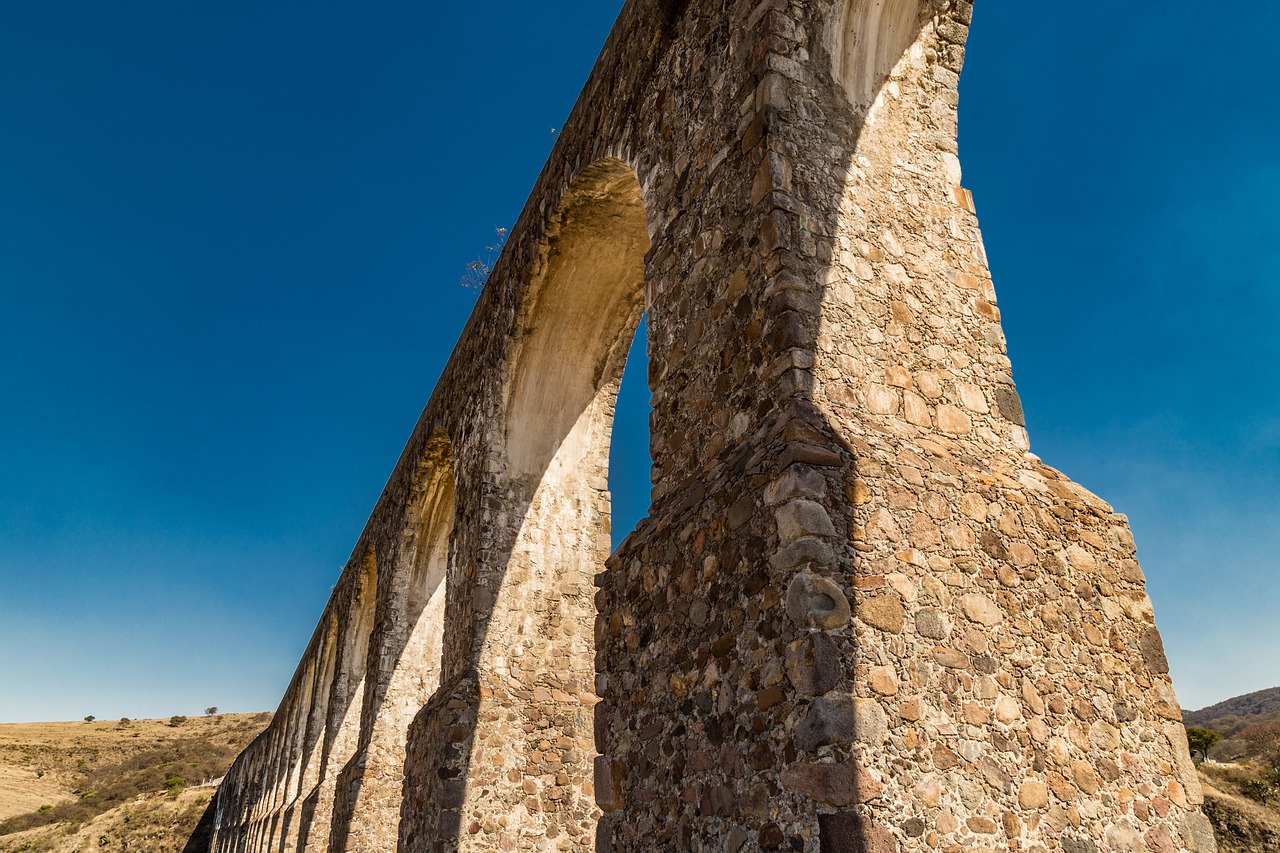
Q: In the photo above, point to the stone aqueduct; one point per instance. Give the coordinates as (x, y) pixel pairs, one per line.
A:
(860, 615)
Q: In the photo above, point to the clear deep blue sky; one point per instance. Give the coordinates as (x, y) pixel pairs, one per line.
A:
(230, 241)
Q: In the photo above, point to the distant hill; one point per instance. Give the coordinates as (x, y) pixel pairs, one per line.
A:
(1261, 703)
(129, 785)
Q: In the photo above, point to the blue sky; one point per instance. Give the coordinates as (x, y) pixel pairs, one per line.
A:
(230, 241)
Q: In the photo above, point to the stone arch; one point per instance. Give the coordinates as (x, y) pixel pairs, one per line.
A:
(871, 40)
(584, 303)
(413, 637)
(356, 621)
(577, 322)
(429, 538)
(355, 659)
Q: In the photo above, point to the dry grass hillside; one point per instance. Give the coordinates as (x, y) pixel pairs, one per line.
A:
(1241, 822)
(131, 785)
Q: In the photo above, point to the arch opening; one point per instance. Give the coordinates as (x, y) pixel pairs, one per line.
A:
(417, 675)
(630, 457)
(579, 325)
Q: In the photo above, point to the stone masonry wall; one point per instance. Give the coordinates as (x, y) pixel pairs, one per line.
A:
(860, 616)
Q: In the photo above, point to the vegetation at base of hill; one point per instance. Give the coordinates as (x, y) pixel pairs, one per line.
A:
(1241, 740)
(154, 823)
(1247, 739)
(135, 764)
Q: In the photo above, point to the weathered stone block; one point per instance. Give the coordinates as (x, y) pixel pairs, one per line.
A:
(816, 602)
(814, 665)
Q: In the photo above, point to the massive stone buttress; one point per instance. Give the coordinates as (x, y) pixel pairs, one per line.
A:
(860, 615)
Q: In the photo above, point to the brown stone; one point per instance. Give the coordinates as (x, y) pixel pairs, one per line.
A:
(770, 696)
(884, 612)
(950, 658)
(983, 825)
(1084, 776)
(846, 832)
(944, 758)
(833, 784)
(911, 710)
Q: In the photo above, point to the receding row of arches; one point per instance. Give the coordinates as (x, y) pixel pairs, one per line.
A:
(381, 651)
(384, 651)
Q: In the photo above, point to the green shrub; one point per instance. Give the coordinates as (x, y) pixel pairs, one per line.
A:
(177, 720)
(1259, 790)
(173, 783)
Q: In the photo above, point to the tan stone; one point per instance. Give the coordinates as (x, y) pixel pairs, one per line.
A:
(929, 384)
(972, 398)
(897, 376)
(1007, 709)
(950, 658)
(882, 400)
(981, 609)
(871, 726)
(859, 493)
(1031, 697)
(1033, 794)
(916, 410)
(883, 680)
(954, 421)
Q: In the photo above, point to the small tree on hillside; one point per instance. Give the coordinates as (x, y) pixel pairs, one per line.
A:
(211, 710)
(1262, 738)
(1201, 741)
(90, 718)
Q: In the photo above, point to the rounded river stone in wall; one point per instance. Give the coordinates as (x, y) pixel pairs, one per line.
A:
(815, 602)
